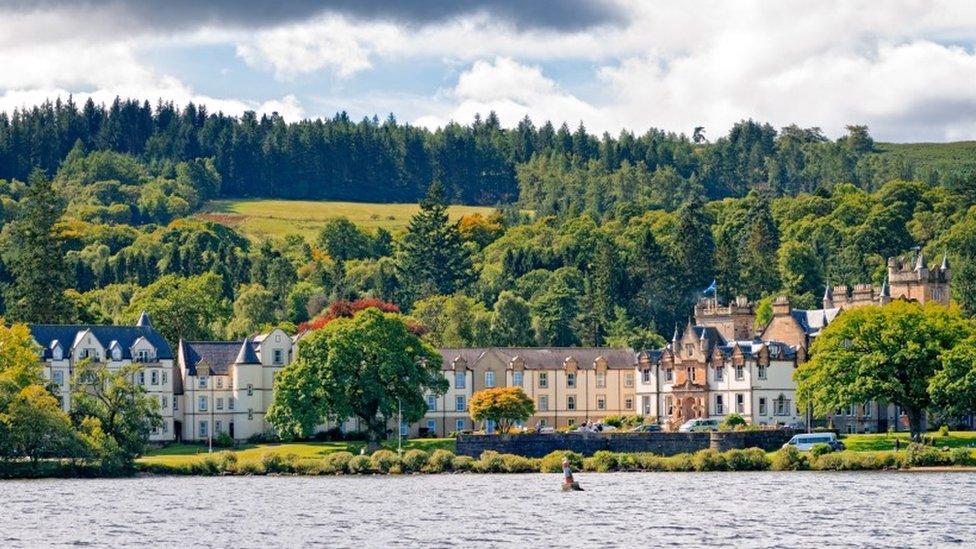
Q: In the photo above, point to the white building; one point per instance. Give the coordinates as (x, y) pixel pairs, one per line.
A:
(63, 347)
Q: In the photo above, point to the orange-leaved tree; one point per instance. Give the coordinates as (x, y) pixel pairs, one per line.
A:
(502, 405)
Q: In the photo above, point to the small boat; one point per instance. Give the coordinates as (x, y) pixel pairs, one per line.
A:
(571, 487)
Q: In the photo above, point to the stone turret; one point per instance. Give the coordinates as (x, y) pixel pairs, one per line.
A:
(733, 321)
(828, 297)
(912, 279)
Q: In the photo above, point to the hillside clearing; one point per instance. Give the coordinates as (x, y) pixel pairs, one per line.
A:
(258, 219)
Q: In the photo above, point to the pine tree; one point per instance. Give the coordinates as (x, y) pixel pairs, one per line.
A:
(760, 245)
(35, 257)
(432, 258)
(694, 247)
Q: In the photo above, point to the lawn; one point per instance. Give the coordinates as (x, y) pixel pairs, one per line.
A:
(175, 454)
(886, 441)
(259, 219)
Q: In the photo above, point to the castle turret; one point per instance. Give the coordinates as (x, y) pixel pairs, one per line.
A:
(828, 297)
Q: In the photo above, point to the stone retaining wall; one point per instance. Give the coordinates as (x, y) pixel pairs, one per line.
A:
(665, 444)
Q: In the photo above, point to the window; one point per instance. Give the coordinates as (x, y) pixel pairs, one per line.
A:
(601, 380)
(154, 377)
(690, 374)
(404, 428)
(740, 372)
(230, 403)
(220, 404)
(218, 427)
(782, 406)
(277, 338)
(250, 389)
(740, 403)
(719, 373)
(459, 403)
(142, 355)
(250, 414)
(646, 405)
(57, 353)
(141, 378)
(543, 380)
(629, 379)
(762, 406)
(646, 375)
(58, 377)
(570, 379)
(176, 405)
(117, 354)
(203, 428)
(543, 403)
(202, 404)
(431, 425)
(668, 375)
(431, 403)
(459, 425)
(571, 422)
(165, 379)
(762, 371)
(867, 409)
(165, 426)
(489, 379)
(719, 405)
(278, 357)
(629, 403)
(220, 383)
(570, 402)
(669, 405)
(163, 402)
(690, 348)
(490, 426)
(601, 402)
(459, 380)
(517, 378)
(202, 382)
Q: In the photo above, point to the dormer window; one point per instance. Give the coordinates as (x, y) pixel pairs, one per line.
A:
(690, 348)
(57, 353)
(116, 354)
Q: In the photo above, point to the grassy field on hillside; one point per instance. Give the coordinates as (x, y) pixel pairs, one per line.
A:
(263, 218)
(177, 454)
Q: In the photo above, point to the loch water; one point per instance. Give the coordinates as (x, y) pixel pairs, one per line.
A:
(801, 509)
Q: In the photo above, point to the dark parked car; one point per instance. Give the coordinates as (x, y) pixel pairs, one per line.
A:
(647, 428)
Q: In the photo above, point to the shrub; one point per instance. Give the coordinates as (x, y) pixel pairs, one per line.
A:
(731, 421)
(855, 461)
(277, 463)
(439, 461)
(360, 465)
(490, 462)
(553, 461)
(789, 459)
(415, 461)
(463, 463)
(627, 462)
(227, 460)
(820, 449)
(919, 455)
(962, 456)
(679, 463)
(519, 464)
(384, 460)
(751, 459)
(250, 467)
(223, 440)
(709, 460)
(944, 431)
(336, 463)
(602, 462)
(614, 421)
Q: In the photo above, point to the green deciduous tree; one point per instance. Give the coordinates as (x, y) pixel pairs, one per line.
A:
(182, 307)
(953, 387)
(503, 406)
(369, 367)
(253, 308)
(35, 426)
(453, 321)
(343, 240)
(889, 354)
(34, 253)
(511, 321)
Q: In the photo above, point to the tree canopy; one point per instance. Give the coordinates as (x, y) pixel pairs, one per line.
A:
(503, 406)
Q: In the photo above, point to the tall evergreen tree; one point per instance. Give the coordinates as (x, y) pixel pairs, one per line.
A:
(694, 248)
(759, 273)
(35, 257)
(432, 258)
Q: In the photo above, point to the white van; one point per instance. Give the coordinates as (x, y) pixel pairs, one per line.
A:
(693, 425)
(805, 442)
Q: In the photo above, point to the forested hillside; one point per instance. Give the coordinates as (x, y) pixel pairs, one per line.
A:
(480, 163)
(623, 234)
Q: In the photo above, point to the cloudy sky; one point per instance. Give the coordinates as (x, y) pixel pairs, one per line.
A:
(905, 68)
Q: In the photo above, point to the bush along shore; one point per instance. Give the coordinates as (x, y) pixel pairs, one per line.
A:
(444, 461)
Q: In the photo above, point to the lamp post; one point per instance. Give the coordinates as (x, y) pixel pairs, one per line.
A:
(399, 427)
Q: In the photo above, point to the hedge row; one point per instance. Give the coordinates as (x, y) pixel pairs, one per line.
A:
(442, 461)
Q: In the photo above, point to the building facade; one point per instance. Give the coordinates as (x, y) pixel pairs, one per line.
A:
(62, 348)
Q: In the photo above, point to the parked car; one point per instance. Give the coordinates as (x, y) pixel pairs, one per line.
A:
(694, 425)
(647, 428)
(806, 441)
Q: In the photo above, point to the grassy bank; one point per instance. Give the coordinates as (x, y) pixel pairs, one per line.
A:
(335, 461)
(886, 441)
(260, 219)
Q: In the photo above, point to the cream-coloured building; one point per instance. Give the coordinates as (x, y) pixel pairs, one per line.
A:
(226, 386)
(63, 347)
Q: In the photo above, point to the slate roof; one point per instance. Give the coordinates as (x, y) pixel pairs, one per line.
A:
(218, 356)
(544, 358)
(68, 335)
(813, 320)
(777, 349)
